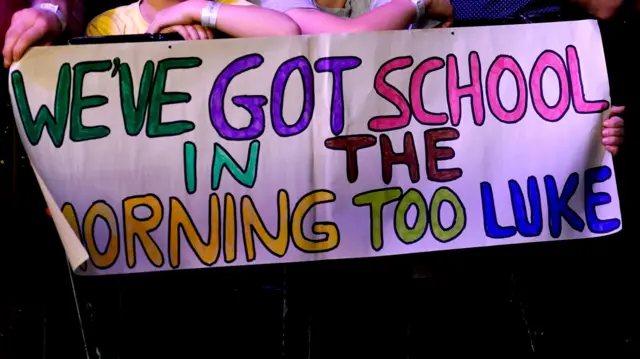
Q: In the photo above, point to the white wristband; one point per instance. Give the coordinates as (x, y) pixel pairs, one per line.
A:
(420, 9)
(209, 16)
(55, 9)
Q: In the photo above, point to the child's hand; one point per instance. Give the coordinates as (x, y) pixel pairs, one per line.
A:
(190, 32)
(613, 130)
(440, 10)
(184, 13)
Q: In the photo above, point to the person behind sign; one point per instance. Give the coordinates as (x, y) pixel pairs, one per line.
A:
(350, 16)
(192, 19)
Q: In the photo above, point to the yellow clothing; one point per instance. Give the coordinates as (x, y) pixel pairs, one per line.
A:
(128, 20)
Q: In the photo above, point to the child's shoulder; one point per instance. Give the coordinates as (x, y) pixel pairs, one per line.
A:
(112, 22)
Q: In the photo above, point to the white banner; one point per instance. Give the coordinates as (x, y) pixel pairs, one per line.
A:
(249, 151)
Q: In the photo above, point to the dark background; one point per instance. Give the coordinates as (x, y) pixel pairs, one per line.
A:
(562, 297)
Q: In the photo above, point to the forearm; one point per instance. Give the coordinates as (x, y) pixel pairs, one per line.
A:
(254, 21)
(73, 10)
(602, 9)
(395, 15)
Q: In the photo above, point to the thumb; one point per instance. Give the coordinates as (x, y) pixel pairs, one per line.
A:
(154, 28)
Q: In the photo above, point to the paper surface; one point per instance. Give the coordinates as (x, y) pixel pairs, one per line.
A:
(250, 151)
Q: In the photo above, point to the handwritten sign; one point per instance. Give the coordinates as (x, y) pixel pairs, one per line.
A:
(166, 156)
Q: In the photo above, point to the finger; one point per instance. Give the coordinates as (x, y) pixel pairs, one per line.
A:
(193, 34)
(612, 149)
(153, 28)
(26, 40)
(7, 51)
(617, 132)
(6, 61)
(613, 122)
(208, 32)
(13, 34)
(156, 26)
(182, 31)
(612, 141)
(446, 24)
(617, 110)
(202, 34)
(171, 30)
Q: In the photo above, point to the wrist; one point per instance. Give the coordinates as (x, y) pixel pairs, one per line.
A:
(420, 7)
(208, 15)
(54, 10)
(195, 9)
